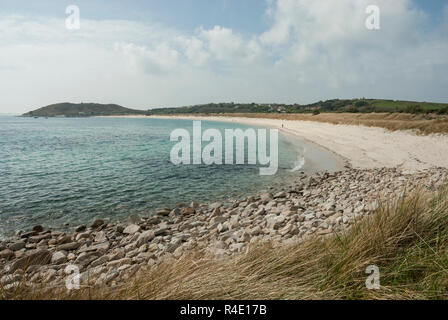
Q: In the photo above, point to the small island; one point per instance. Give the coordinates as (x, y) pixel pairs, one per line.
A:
(73, 110)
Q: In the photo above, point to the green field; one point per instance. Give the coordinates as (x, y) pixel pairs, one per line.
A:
(394, 106)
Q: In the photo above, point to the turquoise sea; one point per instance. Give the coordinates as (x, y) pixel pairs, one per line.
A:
(61, 172)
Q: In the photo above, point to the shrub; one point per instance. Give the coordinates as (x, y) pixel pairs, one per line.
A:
(361, 103)
(414, 109)
(443, 110)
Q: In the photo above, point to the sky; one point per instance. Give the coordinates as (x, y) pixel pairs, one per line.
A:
(164, 53)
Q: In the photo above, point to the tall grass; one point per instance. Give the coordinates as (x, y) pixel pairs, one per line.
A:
(407, 239)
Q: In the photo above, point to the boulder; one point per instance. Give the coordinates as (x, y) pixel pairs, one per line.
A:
(134, 219)
(119, 263)
(275, 222)
(131, 229)
(163, 212)
(7, 254)
(145, 237)
(111, 275)
(100, 237)
(68, 246)
(85, 258)
(187, 211)
(80, 228)
(38, 228)
(97, 223)
(39, 238)
(59, 257)
(39, 257)
(16, 246)
(100, 261)
(161, 231)
(266, 197)
(280, 195)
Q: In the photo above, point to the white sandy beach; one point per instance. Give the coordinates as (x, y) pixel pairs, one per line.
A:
(363, 147)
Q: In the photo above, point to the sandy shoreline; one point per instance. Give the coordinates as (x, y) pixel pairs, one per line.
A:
(363, 147)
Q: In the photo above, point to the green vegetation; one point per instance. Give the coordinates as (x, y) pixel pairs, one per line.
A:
(335, 106)
(329, 106)
(82, 110)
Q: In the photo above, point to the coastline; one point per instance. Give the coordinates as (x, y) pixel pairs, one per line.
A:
(361, 147)
(317, 205)
(109, 255)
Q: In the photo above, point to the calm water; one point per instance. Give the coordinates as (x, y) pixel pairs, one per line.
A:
(57, 171)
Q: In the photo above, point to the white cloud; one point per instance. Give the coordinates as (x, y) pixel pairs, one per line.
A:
(223, 43)
(162, 58)
(194, 50)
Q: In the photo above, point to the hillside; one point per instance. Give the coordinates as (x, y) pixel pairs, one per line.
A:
(81, 110)
(335, 105)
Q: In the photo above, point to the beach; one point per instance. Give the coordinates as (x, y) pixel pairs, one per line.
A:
(362, 147)
(381, 167)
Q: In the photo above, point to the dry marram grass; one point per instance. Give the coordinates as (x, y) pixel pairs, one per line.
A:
(423, 124)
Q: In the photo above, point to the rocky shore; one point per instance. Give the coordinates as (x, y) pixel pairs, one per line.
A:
(108, 254)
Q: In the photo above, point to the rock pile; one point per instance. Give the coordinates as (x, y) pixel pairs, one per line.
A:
(110, 253)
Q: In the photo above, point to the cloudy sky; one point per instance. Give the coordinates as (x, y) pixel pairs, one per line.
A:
(160, 53)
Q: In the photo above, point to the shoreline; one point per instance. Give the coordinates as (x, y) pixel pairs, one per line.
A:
(112, 253)
(360, 146)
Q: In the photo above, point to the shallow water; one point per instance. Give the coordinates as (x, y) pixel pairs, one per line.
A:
(57, 171)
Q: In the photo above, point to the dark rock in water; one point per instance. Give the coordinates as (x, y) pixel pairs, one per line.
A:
(38, 228)
(80, 228)
(39, 257)
(97, 223)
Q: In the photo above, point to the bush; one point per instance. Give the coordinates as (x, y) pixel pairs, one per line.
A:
(443, 110)
(351, 109)
(361, 103)
(316, 112)
(414, 109)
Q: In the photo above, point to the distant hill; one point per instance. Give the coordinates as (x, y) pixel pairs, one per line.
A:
(335, 105)
(82, 110)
